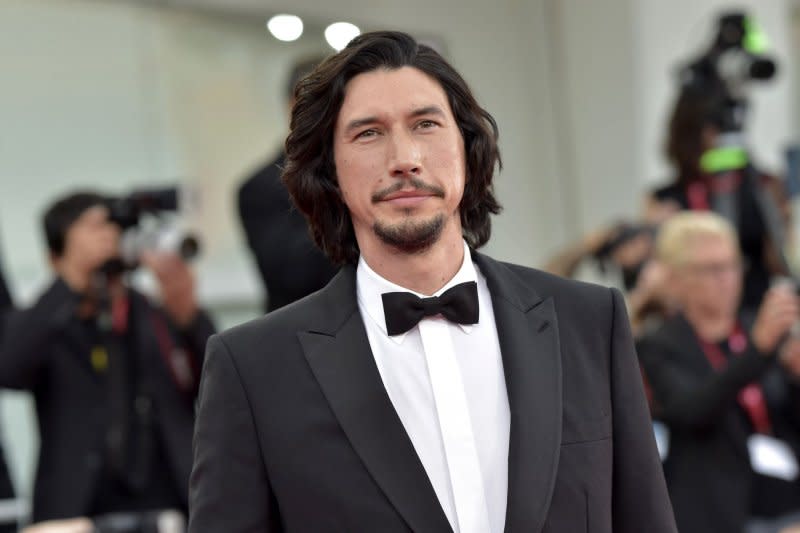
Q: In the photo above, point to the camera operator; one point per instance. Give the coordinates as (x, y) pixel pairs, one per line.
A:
(726, 384)
(707, 148)
(690, 136)
(114, 377)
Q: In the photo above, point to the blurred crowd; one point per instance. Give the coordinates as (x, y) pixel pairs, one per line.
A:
(706, 269)
(714, 305)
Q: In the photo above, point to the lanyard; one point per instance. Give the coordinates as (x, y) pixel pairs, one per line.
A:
(697, 192)
(751, 397)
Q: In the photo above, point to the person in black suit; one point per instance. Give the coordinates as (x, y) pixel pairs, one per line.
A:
(6, 486)
(114, 377)
(723, 383)
(291, 266)
(427, 387)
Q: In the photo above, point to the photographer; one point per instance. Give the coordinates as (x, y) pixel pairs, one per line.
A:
(726, 384)
(114, 378)
(621, 256)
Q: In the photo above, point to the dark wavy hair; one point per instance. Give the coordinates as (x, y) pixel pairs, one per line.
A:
(63, 213)
(696, 108)
(310, 174)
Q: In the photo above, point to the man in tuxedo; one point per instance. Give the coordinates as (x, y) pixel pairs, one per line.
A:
(427, 387)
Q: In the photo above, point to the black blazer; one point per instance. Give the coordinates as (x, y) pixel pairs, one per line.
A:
(6, 487)
(290, 264)
(711, 483)
(43, 351)
(295, 431)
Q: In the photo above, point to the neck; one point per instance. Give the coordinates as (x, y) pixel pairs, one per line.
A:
(711, 326)
(425, 272)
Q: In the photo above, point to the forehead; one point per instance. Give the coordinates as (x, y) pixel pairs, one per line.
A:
(711, 247)
(384, 92)
(94, 213)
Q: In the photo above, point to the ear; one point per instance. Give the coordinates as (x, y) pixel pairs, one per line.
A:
(54, 260)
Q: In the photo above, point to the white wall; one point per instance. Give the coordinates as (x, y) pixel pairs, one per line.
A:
(594, 78)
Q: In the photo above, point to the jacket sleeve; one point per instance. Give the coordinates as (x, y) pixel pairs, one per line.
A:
(29, 334)
(687, 400)
(639, 501)
(229, 489)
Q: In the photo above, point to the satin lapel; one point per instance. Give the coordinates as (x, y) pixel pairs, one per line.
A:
(528, 333)
(342, 362)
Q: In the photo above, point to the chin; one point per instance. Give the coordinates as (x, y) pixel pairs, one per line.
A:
(411, 234)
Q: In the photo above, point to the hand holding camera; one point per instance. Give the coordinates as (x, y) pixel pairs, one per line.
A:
(779, 311)
(176, 282)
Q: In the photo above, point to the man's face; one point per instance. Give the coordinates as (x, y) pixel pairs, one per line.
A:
(90, 241)
(710, 280)
(399, 159)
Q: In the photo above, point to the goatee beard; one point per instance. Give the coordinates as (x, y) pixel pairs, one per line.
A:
(411, 237)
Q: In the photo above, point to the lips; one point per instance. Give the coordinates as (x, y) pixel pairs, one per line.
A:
(407, 195)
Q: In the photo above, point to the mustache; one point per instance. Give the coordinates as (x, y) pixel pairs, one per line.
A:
(416, 183)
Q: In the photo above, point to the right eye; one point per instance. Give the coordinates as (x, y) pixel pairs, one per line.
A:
(372, 132)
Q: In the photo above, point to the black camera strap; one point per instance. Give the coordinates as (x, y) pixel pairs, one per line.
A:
(129, 436)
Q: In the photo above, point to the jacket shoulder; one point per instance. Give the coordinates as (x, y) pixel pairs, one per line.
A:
(276, 332)
(549, 285)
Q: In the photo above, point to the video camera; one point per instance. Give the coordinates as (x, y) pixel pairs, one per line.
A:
(736, 58)
(146, 218)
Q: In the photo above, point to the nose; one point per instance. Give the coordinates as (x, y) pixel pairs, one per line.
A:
(405, 157)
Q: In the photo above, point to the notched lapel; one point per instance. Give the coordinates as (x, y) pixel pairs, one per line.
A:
(343, 364)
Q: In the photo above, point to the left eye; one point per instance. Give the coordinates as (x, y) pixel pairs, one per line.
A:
(426, 124)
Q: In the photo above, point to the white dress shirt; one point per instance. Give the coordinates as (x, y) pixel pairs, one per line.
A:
(415, 372)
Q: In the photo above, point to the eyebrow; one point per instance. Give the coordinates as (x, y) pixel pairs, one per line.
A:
(421, 111)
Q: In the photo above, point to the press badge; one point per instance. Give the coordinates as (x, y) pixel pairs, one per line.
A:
(772, 457)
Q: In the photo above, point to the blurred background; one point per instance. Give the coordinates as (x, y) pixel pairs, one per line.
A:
(122, 95)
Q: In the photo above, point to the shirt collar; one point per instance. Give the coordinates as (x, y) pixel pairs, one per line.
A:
(370, 286)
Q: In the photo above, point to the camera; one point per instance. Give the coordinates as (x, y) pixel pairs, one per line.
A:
(148, 220)
(735, 58)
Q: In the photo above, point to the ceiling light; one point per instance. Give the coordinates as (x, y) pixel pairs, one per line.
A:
(339, 34)
(285, 27)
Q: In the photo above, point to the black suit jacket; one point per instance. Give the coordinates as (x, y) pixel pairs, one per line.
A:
(43, 351)
(290, 264)
(711, 483)
(6, 487)
(295, 431)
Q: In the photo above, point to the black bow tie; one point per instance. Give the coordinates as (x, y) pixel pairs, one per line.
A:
(404, 310)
